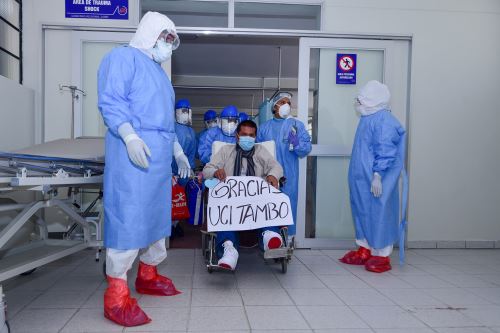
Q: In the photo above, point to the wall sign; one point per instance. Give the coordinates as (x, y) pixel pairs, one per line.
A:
(346, 68)
(246, 203)
(97, 9)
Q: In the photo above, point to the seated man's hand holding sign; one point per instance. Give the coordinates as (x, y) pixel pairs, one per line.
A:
(245, 159)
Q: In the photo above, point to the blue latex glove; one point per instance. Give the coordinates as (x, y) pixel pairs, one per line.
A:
(293, 139)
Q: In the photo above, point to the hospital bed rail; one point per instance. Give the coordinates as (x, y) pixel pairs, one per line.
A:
(44, 170)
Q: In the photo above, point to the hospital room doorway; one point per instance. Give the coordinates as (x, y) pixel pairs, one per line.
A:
(214, 71)
(217, 68)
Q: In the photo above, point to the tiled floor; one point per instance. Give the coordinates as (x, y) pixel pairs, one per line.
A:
(444, 291)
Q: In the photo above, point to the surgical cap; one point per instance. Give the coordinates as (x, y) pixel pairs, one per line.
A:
(151, 26)
(279, 97)
(374, 94)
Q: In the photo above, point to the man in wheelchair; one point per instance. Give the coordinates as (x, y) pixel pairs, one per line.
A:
(244, 159)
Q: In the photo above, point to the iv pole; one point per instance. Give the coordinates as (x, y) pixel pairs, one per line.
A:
(74, 96)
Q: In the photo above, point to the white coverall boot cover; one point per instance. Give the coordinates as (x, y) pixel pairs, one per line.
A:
(271, 240)
(230, 257)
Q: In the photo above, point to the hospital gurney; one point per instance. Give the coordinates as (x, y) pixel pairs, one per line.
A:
(42, 170)
(208, 239)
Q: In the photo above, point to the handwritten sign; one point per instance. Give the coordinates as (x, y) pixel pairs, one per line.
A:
(245, 203)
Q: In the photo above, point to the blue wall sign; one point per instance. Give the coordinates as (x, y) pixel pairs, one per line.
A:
(346, 68)
(97, 9)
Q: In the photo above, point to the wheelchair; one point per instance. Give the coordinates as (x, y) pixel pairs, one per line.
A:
(282, 255)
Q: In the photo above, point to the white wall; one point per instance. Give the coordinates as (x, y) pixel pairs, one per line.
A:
(51, 12)
(455, 114)
(16, 115)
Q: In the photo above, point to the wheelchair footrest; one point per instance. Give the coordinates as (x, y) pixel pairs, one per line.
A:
(218, 268)
(282, 252)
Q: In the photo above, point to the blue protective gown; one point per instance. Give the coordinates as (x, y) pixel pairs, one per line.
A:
(199, 137)
(379, 146)
(278, 130)
(205, 146)
(137, 202)
(187, 139)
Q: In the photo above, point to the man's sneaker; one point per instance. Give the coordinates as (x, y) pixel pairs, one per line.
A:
(230, 257)
(272, 240)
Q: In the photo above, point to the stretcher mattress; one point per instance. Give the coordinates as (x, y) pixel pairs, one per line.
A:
(85, 148)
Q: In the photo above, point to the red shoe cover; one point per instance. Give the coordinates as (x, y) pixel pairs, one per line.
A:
(359, 257)
(378, 264)
(120, 307)
(149, 282)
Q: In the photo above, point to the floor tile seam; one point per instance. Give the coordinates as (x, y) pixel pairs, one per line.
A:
(464, 312)
(477, 295)
(384, 296)
(67, 322)
(337, 295)
(26, 306)
(466, 326)
(359, 317)
(405, 311)
(244, 307)
(425, 292)
(304, 317)
(431, 275)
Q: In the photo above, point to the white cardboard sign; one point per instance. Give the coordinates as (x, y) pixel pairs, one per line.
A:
(245, 203)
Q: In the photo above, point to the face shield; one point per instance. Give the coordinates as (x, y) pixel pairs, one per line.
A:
(170, 36)
(212, 123)
(183, 116)
(228, 125)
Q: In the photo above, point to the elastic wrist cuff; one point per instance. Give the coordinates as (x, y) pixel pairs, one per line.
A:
(131, 137)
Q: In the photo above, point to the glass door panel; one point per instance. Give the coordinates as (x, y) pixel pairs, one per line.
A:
(324, 212)
(334, 123)
(92, 54)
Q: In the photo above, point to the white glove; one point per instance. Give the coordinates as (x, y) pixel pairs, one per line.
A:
(137, 149)
(183, 167)
(376, 188)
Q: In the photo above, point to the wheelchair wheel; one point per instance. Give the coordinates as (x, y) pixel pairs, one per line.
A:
(284, 265)
(210, 270)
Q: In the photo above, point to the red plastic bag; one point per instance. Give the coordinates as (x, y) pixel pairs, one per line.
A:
(180, 210)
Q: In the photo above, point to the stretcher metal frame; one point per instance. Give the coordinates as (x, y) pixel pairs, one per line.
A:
(44, 176)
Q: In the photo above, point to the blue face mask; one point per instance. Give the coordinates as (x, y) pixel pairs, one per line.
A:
(246, 142)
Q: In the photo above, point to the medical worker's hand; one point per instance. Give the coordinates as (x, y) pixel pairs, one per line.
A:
(137, 150)
(293, 139)
(184, 169)
(220, 174)
(376, 188)
(273, 181)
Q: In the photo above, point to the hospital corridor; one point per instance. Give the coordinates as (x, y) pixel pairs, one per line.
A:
(242, 166)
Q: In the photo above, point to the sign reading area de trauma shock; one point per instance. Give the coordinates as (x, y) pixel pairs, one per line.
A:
(97, 9)
(245, 203)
